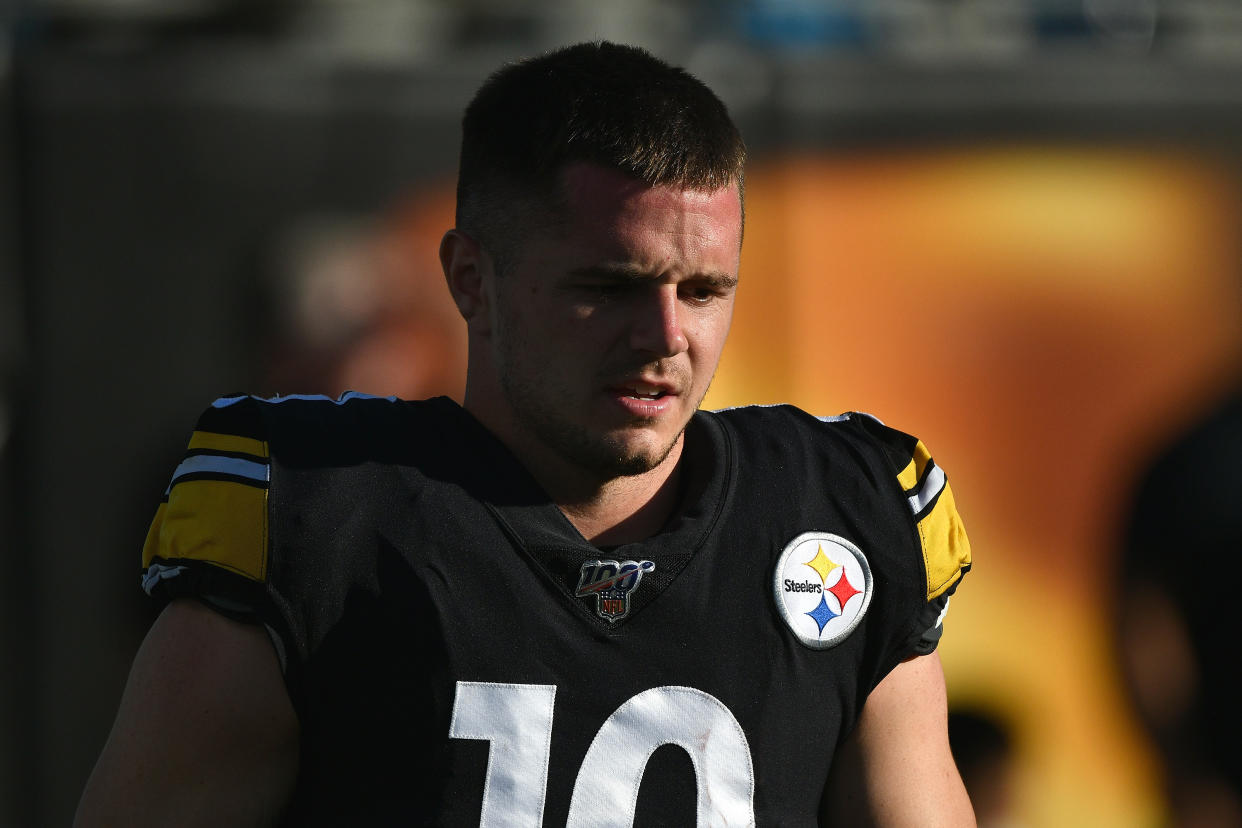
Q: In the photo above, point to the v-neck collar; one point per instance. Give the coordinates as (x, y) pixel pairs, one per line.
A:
(538, 528)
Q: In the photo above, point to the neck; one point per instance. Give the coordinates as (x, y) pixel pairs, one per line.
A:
(606, 511)
(627, 509)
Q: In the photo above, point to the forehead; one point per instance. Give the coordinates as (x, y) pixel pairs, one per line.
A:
(603, 204)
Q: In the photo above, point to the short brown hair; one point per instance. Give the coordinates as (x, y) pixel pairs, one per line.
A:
(614, 105)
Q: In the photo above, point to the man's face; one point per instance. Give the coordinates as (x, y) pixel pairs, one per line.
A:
(607, 329)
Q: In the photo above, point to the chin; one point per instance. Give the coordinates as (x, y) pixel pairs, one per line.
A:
(625, 451)
(632, 465)
(630, 458)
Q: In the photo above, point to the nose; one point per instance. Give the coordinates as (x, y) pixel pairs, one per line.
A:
(656, 326)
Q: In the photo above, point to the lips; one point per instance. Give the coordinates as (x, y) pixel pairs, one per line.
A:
(642, 389)
(643, 397)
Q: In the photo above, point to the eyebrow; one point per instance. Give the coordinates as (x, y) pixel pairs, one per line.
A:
(633, 273)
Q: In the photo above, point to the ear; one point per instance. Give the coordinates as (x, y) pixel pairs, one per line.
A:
(469, 273)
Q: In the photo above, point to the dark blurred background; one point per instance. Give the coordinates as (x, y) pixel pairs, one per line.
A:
(1008, 225)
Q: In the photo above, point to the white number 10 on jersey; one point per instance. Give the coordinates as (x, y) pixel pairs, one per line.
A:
(517, 720)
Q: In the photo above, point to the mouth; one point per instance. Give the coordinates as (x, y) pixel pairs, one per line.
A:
(643, 399)
(643, 391)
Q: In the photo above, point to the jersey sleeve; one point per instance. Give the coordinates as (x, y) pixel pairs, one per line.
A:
(932, 509)
(209, 538)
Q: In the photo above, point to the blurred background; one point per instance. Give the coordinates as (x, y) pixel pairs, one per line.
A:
(1008, 226)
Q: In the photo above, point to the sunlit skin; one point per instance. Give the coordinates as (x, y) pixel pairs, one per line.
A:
(591, 352)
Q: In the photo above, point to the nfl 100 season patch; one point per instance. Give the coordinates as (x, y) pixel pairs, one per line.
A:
(611, 582)
(823, 587)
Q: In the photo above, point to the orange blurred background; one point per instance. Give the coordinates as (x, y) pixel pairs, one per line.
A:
(1044, 319)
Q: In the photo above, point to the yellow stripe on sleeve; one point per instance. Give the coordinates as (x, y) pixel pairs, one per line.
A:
(151, 546)
(910, 475)
(946, 549)
(227, 442)
(214, 521)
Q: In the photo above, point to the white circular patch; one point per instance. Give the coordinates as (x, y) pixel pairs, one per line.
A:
(823, 588)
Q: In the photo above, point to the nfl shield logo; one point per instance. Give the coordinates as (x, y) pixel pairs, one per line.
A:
(611, 582)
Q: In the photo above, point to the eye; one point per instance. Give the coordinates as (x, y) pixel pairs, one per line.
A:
(699, 294)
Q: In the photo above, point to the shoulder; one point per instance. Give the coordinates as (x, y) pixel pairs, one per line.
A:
(293, 416)
(780, 420)
(786, 427)
(887, 462)
(215, 510)
(304, 431)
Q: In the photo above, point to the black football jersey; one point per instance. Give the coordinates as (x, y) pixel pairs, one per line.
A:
(458, 654)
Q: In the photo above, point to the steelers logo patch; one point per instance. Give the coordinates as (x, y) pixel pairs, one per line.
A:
(823, 587)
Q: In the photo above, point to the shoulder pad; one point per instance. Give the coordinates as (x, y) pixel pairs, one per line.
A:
(946, 549)
(214, 510)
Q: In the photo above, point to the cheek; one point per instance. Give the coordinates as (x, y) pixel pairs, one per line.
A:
(547, 335)
(710, 332)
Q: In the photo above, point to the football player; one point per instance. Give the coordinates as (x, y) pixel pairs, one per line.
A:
(576, 599)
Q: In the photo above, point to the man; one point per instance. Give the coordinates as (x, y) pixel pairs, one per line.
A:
(578, 600)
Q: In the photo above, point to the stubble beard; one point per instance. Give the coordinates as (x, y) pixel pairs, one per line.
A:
(601, 455)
